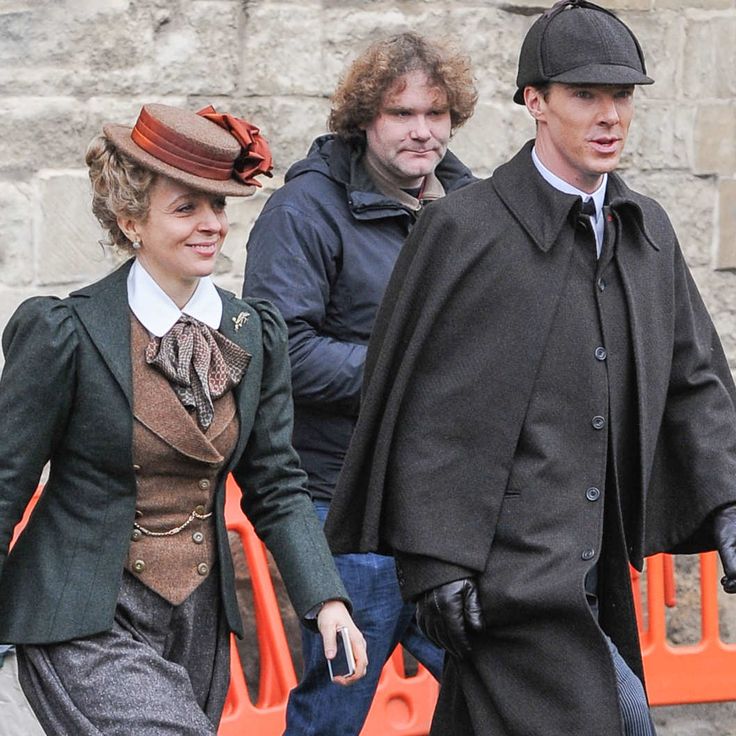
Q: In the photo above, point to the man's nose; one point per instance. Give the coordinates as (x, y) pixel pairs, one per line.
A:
(608, 112)
(420, 129)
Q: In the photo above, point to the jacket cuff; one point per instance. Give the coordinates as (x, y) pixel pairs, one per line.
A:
(417, 574)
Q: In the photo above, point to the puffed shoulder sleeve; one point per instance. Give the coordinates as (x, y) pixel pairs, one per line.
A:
(36, 390)
(275, 498)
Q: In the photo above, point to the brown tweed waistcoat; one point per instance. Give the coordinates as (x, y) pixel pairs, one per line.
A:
(177, 466)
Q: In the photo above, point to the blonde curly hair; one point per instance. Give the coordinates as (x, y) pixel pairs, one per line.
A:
(120, 187)
(358, 97)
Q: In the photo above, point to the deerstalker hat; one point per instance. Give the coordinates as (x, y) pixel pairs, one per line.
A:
(577, 42)
(207, 151)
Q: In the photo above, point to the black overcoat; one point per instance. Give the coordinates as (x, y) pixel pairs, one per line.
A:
(456, 347)
(66, 397)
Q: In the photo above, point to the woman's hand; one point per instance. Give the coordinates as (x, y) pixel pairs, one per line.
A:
(333, 616)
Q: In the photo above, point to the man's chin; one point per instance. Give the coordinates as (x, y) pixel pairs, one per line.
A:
(419, 172)
(606, 164)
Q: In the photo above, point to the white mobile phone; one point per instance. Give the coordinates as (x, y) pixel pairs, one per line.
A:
(343, 663)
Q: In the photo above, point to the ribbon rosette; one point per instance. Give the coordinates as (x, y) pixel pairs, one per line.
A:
(255, 157)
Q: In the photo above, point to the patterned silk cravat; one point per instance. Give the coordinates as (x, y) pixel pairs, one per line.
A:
(199, 362)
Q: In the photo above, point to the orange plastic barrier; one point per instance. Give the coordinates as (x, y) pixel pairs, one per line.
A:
(687, 673)
(402, 706)
(676, 674)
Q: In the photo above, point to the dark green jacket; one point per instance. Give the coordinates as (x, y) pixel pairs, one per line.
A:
(66, 397)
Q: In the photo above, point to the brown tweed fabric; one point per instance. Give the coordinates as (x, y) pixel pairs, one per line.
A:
(177, 466)
(200, 363)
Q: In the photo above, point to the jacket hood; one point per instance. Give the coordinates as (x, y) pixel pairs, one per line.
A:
(340, 161)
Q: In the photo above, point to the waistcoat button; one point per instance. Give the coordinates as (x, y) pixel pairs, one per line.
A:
(598, 422)
(203, 568)
(601, 353)
(198, 537)
(588, 554)
(592, 494)
(136, 467)
(199, 510)
(136, 535)
(139, 566)
(204, 484)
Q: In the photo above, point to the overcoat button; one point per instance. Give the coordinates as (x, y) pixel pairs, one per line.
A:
(204, 484)
(588, 554)
(136, 535)
(598, 422)
(592, 494)
(198, 537)
(601, 353)
(199, 510)
(139, 566)
(203, 568)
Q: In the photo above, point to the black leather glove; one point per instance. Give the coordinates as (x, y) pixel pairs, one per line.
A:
(449, 614)
(724, 530)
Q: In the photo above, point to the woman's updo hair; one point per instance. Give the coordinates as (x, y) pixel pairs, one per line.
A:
(120, 187)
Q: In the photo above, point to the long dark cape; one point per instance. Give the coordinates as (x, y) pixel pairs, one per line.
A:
(452, 360)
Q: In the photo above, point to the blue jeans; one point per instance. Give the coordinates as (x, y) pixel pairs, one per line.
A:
(318, 707)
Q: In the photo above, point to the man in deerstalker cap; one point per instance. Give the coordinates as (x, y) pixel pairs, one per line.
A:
(545, 401)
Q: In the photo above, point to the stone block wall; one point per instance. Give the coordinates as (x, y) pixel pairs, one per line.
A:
(67, 66)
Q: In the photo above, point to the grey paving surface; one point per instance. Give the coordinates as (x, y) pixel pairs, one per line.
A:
(16, 718)
(708, 719)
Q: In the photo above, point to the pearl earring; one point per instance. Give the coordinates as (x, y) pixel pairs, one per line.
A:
(136, 245)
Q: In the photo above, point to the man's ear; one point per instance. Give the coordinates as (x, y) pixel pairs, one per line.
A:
(535, 102)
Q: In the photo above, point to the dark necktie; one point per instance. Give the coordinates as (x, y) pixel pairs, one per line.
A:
(588, 208)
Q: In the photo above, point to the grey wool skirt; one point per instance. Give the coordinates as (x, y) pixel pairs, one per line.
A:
(161, 670)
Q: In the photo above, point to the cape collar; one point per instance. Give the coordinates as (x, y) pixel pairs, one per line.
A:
(542, 211)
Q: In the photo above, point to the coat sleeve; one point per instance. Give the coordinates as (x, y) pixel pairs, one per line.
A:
(293, 261)
(275, 498)
(695, 459)
(36, 392)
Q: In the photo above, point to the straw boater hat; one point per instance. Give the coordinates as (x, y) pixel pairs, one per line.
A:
(208, 151)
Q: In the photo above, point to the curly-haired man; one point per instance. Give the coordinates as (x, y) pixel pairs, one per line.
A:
(322, 250)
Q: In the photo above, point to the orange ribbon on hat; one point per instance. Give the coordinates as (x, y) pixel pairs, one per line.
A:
(184, 154)
(255, 157)
(168, 146)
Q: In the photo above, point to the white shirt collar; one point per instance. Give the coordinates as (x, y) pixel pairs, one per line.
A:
(157, 312)
(598, 196)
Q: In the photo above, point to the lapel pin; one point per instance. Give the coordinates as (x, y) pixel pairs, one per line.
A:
(240, 320)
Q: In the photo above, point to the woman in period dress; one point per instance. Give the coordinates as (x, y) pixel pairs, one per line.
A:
(143, 391)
